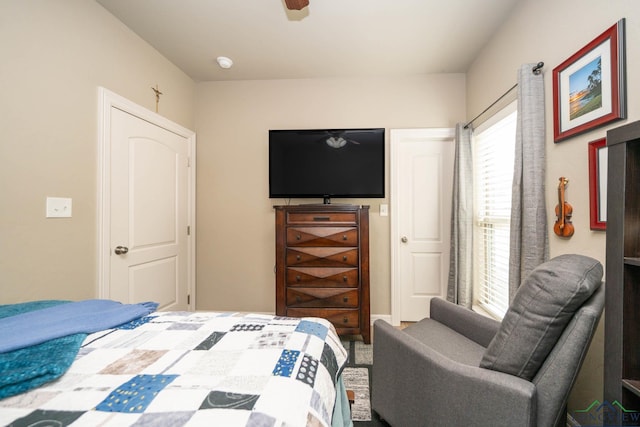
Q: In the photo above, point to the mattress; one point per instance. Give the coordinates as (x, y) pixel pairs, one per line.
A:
(196, 368)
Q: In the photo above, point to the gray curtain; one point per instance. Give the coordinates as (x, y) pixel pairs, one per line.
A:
(460, 289)
(529, 234)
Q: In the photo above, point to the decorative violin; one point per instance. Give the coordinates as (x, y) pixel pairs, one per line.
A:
(563, 226)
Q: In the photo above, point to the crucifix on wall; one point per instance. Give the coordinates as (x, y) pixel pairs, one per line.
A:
(158, 93)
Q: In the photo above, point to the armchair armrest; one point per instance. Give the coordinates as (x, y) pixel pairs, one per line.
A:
(472, 325)
(437, 391)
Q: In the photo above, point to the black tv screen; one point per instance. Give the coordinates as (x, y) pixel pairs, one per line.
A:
(326, 163)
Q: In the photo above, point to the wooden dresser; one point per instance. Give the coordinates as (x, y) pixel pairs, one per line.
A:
(322, 265)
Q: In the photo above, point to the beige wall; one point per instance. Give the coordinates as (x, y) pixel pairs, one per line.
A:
(55, 54)
(236, 235)
(551, 31)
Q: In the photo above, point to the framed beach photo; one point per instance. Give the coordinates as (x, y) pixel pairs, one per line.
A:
(589, 87)
(598, 184)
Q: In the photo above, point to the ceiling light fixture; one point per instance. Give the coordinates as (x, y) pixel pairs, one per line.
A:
(224, 62)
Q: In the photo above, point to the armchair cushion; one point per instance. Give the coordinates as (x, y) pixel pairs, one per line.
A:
(541, 309)
(446, 341)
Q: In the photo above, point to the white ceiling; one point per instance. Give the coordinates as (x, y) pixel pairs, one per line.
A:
(329, 38)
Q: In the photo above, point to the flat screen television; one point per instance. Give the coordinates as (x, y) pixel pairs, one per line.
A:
(341, 163)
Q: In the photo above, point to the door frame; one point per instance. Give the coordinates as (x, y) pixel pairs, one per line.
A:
(106, 101)
(395, 136)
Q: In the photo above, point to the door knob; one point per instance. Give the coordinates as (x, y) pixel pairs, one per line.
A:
(121, 250)
(404, 239)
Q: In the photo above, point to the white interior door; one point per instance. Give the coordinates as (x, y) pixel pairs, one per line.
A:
(147, 246)
(422, 175)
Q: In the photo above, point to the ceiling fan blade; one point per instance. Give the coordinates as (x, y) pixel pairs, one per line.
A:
(296, 4)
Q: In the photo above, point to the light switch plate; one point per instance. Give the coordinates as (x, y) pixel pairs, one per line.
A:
(384, 210)
(58, 207)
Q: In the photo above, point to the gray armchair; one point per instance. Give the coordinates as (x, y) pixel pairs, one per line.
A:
(459, 368)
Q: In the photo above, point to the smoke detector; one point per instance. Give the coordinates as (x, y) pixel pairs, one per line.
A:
(224, 62)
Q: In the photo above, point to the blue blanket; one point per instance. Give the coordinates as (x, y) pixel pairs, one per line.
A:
(35, 327)
(30, 365)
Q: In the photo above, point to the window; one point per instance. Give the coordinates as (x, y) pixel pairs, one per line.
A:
(493, 153)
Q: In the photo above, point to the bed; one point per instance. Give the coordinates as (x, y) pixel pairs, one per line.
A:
(174, 368)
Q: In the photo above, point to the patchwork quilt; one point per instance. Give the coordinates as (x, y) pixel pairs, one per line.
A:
(193, 368)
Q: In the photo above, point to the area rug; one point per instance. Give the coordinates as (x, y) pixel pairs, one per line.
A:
(357, 377)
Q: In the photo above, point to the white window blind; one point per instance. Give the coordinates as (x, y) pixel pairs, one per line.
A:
(493, 176)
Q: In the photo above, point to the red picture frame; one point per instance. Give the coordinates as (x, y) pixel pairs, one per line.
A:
(598, 184)
(589, 87)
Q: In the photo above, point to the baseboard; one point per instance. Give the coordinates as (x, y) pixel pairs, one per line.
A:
(385, 317)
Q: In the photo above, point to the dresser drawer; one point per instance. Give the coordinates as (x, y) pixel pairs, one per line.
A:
(331, 277)
(340, 317)
(322, 257)
(322, 297)
(322, 218)
(322, 236)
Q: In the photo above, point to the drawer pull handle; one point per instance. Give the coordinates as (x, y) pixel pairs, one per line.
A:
(298, 257)
(321, 218)
(345, 299)
(345, 320)
(344, 237)
(298, 237)
(297, 299)
(297, 278)
(344, 257)
(344, 278)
